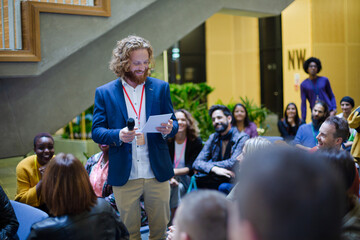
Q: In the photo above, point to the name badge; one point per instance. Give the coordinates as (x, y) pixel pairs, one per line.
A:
(140, 140)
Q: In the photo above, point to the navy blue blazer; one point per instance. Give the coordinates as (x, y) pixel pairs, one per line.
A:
(110, 116)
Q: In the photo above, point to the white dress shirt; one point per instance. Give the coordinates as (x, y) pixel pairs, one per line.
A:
(140, 154)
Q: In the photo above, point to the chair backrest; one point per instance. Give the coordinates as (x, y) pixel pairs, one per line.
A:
(273, 138)
(26, 216)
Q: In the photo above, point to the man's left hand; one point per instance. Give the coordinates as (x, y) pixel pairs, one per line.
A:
(171, 233)
(166, 127)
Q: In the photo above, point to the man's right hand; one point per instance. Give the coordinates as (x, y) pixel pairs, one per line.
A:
(42, 169)
(222, 172)
(127, 136)
(174, 182)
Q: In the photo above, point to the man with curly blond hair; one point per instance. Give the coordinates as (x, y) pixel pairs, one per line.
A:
(139, 164)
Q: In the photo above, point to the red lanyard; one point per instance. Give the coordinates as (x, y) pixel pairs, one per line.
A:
(176, 162)
(142, 95)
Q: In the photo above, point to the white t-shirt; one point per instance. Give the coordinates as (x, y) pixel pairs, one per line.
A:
(178, 150)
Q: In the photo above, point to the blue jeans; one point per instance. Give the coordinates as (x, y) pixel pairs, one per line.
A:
(225, 187)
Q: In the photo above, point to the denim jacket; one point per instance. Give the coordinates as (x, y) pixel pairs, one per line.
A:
(207, 158)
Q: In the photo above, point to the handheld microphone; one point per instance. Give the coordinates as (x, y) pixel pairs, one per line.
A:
(130, 124)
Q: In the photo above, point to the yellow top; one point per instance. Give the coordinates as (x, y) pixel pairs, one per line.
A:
(28, 175)
(354, 122)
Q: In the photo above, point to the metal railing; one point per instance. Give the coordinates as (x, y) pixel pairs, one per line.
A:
(11, 34)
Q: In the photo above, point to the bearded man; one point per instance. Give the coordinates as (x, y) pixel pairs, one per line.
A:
(218, 157)
(306, 135)
(139, 164)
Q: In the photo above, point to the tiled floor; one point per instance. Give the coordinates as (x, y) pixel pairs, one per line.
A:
(8, 175)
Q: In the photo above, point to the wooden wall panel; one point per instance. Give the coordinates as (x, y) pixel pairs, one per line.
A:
(31, 25)
(328, 21)
(232, 58)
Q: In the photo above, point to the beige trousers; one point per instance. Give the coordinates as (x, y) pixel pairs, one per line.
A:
(156, 201)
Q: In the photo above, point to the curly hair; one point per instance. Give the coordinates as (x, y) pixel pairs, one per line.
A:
(120, 61)
(310, 60)
(192, 130)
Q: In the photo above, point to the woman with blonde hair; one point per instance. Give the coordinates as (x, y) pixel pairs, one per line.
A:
(77, 212)
(255, 144)
(251, 146)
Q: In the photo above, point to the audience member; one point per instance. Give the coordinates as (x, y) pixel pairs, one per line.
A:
(202, 215)
(333, 133)
(29, 172)
(78, 213)
(97, 167)
(289, 125)
(8, 221)
(316, 88)
(354, 122)
(183, 149)
(343, 162)
(347, 104)
(251, 146)
(217, 158)
(284, 193)
(242, 122)
(306, 135)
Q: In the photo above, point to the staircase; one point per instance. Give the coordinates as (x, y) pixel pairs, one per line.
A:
(75, 51)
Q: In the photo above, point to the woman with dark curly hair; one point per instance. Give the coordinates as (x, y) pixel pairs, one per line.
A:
(316, 88)
(289, 125)
(183, 149)
(242, 122)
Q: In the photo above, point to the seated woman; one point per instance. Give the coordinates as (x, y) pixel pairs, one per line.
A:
(251, 146)
(289, 125)
(347, 104)
(97, 167)
(29, 172)
(8, 221)
(183, 149)
(241, 121)
(78, 213)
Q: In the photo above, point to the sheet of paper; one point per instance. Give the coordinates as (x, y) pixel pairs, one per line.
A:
(155, 121)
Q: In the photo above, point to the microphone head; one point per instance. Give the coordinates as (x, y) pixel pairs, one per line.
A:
(130, 124)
